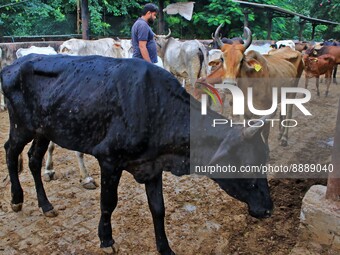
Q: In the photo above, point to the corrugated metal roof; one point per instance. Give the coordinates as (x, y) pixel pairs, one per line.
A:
(284, 12)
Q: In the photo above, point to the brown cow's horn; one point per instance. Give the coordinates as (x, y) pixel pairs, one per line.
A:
(217, 38)
(248, 35)
(168, 35)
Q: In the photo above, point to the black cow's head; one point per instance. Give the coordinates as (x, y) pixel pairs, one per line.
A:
(246, 151)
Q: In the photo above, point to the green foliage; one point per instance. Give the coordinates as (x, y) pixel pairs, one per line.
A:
(110, 17)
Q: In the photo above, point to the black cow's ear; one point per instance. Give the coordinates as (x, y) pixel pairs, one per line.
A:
(257, 126)
(249, 132)
(222, 151)
(219, 155)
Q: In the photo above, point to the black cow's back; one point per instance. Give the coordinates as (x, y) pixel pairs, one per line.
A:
(92, 100)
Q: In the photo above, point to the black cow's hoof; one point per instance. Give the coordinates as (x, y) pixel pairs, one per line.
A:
(16, 207)
(51, 213)
(111, 250)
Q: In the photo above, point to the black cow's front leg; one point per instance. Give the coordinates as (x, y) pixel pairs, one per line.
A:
(36, 154)
(18, 138)
(13, 151)
(110, 177)
(154, 192)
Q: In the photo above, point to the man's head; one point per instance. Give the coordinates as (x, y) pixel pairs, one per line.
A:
(149, 12)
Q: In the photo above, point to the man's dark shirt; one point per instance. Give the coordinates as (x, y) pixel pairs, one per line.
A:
(141, 31)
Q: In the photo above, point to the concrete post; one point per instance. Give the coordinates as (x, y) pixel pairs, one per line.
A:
(333, 184)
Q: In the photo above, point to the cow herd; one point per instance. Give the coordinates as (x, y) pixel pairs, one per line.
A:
(139, 118)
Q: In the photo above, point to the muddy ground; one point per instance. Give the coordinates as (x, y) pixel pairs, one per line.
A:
(200, 218)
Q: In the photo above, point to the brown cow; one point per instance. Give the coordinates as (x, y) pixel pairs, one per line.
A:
(261, 72)
(332, 50)
(292, 56)
(316, 66)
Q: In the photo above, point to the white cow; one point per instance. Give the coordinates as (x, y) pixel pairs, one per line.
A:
(285, 43)
(86, 180)
(33, 49)
(107, 47)
(127, 47)
(186, 60)
(262, 49)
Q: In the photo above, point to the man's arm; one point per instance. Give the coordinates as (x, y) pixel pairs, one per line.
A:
(144, 50)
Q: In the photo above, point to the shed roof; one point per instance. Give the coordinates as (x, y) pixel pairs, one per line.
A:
(280, 12)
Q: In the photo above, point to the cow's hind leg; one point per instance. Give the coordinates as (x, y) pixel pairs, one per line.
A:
(36, 154)
(49, 173)
(328, 78)
(154, 193)
(86, 180)
(110, 177)
(287, 123)
(317, 86)
(335, 69)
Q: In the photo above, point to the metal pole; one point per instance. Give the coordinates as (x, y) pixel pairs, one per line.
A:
(333, 184)
(85, 19)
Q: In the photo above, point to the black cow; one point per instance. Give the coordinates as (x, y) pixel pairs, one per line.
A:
(130, 115)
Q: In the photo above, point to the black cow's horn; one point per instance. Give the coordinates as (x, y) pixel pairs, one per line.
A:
(249, 37)
(249, 132)
(217, 38)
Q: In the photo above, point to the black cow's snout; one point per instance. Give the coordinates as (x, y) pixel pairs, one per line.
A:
(261, 213)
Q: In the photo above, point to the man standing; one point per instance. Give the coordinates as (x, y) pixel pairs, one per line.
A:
(143, 42)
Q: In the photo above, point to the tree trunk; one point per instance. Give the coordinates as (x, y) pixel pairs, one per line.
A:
(161, 22)
(85, 17)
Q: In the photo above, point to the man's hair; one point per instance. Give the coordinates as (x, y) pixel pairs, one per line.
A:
(149, 8)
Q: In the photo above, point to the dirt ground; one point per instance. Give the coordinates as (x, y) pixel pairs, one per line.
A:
(200, 218)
